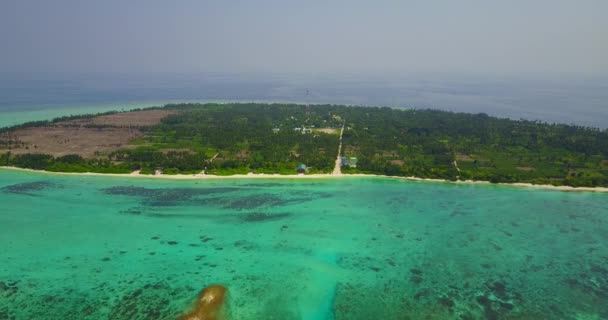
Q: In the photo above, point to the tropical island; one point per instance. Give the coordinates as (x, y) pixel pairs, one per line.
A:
(288, 139)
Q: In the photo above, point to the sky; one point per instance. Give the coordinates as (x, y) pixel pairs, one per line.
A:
(540, 37)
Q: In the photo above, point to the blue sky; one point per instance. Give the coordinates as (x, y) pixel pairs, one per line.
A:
(469, 36)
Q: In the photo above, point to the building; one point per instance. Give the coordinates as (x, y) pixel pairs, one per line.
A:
(348, 161)
(303, 130)
(343, 161)
(301, 168)
(352, 162)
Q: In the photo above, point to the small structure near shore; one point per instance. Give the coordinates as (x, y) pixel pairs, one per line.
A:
(350, 161)
(301, 168)
(343, 161)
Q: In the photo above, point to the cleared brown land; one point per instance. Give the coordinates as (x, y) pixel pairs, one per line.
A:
(82, 136)
(60, 141)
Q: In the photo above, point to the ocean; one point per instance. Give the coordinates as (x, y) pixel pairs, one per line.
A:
(85, 247)
(569, 100)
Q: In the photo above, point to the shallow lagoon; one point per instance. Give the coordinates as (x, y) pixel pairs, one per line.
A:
(353, 248)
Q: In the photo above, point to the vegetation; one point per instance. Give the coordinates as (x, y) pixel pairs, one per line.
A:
(228, 139)
(446, 145)
(69, 163)
(240, 138)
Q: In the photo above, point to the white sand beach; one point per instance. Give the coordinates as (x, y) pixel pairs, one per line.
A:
(201, 176)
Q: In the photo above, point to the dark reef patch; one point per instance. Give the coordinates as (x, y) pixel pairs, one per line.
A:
(228, 198)
(446, 302)
(487, 265)
(122, 300)
(167, 197)
(131, 211)
(152, 301)
(29, 188)
(496, 247)
(498, 300)
(416, 276)
(595, 282)
(245, 245)
(416, 279)
(361, 263)
(258, 201)
(263, 216)
(415, 271)
(8, 289)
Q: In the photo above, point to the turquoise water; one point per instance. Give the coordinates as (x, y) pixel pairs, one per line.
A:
(352, 248)
(11, 118)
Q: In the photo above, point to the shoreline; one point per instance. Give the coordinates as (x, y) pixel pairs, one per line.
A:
(309, 176)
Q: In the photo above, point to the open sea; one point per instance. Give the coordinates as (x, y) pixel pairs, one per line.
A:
(83, 247)
(570, 100)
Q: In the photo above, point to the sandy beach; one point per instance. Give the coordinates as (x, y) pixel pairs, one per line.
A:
(137, 175)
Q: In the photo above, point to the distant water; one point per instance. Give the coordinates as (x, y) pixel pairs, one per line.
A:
(355, 248)
(9, 118)
(565, 100)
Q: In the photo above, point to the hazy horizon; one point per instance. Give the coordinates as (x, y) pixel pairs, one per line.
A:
(542, 60)
(557, 37)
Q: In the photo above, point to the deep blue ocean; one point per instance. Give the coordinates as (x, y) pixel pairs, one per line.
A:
(581, 101)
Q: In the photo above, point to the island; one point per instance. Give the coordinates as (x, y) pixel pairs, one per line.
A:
(225, 139)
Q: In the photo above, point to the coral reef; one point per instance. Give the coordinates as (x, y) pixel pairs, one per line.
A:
(28, 188)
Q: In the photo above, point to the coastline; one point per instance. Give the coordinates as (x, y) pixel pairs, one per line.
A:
(309, 176)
